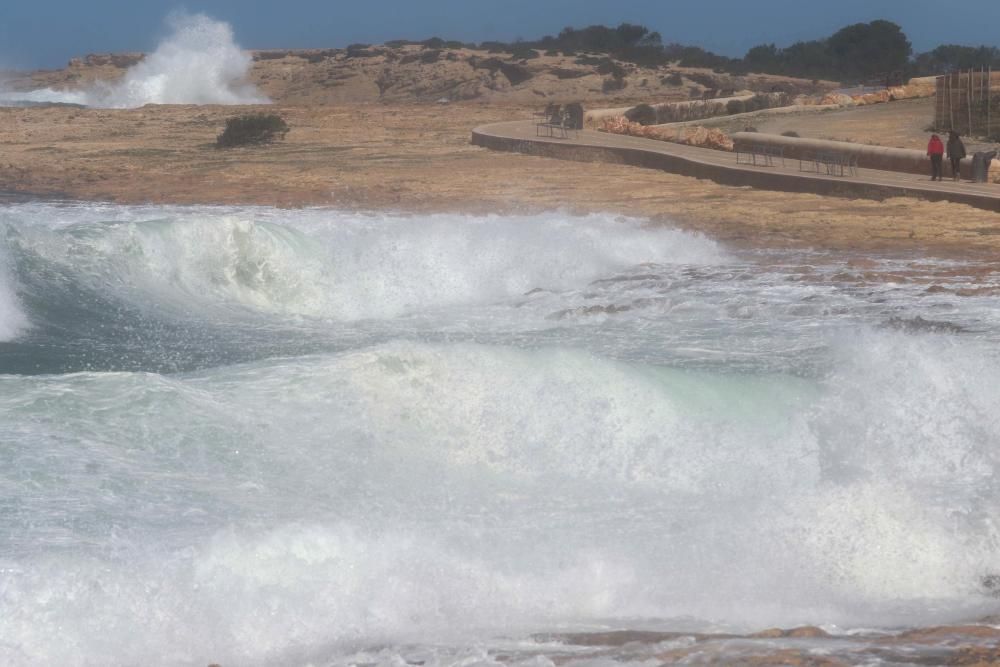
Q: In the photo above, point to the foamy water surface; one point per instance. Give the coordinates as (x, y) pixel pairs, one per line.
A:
(252, 436)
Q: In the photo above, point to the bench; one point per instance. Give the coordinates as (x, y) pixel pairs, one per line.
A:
(760, 155)
(553, 122)
(832, 163)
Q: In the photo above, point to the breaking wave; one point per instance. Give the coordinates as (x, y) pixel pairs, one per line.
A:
(413, 492)
(341, 266)
(455, 431)
(199, 63)
(12, 317)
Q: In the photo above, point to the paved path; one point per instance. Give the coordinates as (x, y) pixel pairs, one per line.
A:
(721, 167)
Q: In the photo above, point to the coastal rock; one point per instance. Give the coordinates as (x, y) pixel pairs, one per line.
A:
(703, 137)
(837, 98)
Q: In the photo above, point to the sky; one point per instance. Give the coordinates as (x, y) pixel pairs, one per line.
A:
(47, 33)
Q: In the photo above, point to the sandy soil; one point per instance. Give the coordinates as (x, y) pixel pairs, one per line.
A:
(418, 158)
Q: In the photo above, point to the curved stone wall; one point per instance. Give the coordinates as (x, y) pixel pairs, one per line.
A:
(869, 157)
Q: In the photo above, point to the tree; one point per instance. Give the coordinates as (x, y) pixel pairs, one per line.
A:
(868, 49)
(951, 57)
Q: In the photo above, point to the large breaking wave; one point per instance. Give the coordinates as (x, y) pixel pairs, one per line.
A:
(398, 431)
(198, 63)
(412, 492)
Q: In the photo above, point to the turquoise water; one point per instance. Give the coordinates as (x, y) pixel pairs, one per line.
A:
(253, 436)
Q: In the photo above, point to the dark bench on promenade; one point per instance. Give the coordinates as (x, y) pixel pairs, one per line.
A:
(759, 155)
(831, 163)
(554, 122)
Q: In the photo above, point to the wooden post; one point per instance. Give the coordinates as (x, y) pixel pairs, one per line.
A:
(951, 103)
(989, 100)
(968, 100)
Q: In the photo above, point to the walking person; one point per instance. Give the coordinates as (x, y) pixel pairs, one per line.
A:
(956, 151)
(935, 150)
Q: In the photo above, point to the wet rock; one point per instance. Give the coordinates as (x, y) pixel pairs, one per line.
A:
(804, 632)
(953, 633)
(920, 325)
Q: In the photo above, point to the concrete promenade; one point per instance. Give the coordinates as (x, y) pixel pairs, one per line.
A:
(721, 167)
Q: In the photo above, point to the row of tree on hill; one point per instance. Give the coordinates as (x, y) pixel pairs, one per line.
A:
(855, 53)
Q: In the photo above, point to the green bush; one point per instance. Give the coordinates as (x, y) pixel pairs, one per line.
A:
(642, 114)
(706, 80)
(613, 84)
(790, 133)
(674, 79)
(252, 129)
(523, 52)
(735, 106)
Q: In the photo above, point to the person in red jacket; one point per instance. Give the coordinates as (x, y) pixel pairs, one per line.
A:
(935, 149)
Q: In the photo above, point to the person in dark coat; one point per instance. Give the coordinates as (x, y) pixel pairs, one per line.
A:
(935, 150)
(956, 151)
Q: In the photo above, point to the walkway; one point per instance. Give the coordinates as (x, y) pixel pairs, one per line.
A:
(721, 167)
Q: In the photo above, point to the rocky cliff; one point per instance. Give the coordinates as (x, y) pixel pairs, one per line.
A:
(420, 73)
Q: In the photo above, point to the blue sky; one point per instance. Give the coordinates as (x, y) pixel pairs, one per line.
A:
(46, 33)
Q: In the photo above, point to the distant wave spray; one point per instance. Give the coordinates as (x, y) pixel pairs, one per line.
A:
(199, 63)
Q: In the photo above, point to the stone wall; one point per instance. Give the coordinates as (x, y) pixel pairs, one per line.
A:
(869, 157)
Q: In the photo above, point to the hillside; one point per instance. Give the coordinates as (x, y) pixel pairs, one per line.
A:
(418, 73)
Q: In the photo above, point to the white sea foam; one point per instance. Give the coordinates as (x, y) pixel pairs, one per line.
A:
(326, 264)
(199, 63)
(12, 317)
(409, 484)
(414, 492)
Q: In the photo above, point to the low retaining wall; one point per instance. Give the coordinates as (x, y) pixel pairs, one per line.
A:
(593, 118)
(904, 160)
(495, 138)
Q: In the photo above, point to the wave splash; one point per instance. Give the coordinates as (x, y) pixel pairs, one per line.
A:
(566, 488)
(331, 265)
(12, 317)
(199, 63)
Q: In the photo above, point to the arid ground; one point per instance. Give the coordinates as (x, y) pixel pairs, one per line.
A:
(417, 157)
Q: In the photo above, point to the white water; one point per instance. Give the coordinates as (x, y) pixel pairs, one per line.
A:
(12, 318)
(414, 453)
(198, 63)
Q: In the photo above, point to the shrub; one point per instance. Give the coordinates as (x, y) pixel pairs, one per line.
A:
(612, 84)
(609, 66)
(706, 80)
(523, 53)
(252, 129)
(642, 114)
(735, 106)
(790, 133)
(516, 74)
(361, 51)
(431, 56)
(749, 128)
(674, 79)
(494, 47)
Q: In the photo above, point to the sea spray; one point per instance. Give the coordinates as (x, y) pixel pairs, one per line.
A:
(12, 317)
(426, 436)
(342, 266)
(198, 63)
(413, 492)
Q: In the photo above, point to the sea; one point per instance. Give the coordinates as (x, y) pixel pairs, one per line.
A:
(255, 436)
